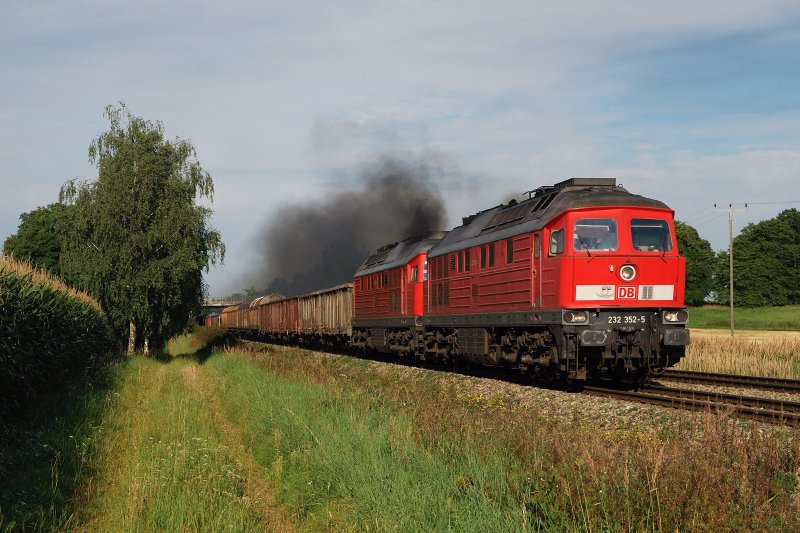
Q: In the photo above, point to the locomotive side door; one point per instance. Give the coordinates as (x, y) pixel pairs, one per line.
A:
(536, 270)
(404, 273)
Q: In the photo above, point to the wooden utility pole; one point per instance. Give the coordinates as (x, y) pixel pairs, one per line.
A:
(730, 210)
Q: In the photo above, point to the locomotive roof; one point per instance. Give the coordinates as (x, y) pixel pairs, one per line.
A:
(399, 253)
(532, 214)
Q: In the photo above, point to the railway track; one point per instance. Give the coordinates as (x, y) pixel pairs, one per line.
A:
(732, 380)
(770, 410)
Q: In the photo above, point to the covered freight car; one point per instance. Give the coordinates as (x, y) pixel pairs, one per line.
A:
(323, 317)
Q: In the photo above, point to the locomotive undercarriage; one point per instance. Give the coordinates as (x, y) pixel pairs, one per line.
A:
(566, 353)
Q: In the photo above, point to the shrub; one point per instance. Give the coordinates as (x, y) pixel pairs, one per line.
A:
(211, 337)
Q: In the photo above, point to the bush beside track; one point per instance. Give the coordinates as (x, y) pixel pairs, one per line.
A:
(48, 331)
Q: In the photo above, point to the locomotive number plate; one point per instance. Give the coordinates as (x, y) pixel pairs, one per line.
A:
(627, 319)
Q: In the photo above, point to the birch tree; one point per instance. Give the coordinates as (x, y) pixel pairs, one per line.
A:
(137, 239)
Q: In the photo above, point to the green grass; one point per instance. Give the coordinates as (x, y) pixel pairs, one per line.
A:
(351, 448)
(166, 465)
(48, 453)
(344, 462)
(287, 439)
(200, 339)
(765, 318)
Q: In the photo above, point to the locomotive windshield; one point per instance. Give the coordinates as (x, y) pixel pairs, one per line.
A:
(596, 234)
(650, 235)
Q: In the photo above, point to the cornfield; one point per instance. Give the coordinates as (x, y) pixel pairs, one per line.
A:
(47, 331)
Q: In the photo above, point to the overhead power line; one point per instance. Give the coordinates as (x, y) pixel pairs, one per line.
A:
(773, 203)
(716, 216)
(703, 210)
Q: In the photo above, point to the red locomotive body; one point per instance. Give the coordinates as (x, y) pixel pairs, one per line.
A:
(388, 295)
(604, 296)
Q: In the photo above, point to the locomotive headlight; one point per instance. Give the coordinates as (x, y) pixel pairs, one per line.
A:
(575, 317)
(676, 316)
(627, 272)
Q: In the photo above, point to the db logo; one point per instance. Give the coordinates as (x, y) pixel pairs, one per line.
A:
(626, 293)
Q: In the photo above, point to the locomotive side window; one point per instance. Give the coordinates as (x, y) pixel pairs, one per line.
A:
(483, 257)
(491, 255)
(466, 260)
(536, 247)
(460, 261)
(556, 242)
(650, 235)
(509, 251)
(595, 234)
(414, 273)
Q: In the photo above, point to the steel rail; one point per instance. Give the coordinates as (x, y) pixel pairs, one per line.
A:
(709, 378)
(773, 404)
(762, 409)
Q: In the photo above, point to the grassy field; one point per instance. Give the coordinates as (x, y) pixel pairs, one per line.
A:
(767, 318)
(285, 439)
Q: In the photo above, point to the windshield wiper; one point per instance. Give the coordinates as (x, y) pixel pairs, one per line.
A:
(585, 246)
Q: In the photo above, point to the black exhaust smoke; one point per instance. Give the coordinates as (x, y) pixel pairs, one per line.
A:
(321, 243)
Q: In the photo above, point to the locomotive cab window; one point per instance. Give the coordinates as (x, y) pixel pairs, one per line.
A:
(414, 274)
(556, 242)
(650, 235)
(595, 234)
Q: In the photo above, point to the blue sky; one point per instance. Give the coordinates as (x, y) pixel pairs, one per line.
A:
(692, 104)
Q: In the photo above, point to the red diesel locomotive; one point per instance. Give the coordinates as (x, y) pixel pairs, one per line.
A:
(582, 279)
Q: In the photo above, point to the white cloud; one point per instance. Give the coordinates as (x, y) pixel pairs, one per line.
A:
(691, 183)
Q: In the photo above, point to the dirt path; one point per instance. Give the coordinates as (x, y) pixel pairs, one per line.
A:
(256, 486)
(169, 460)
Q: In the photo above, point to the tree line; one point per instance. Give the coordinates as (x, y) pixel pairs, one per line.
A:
(134, 237)
(766, 264)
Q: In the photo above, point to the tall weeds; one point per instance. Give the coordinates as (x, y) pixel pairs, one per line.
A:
(706, 473)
